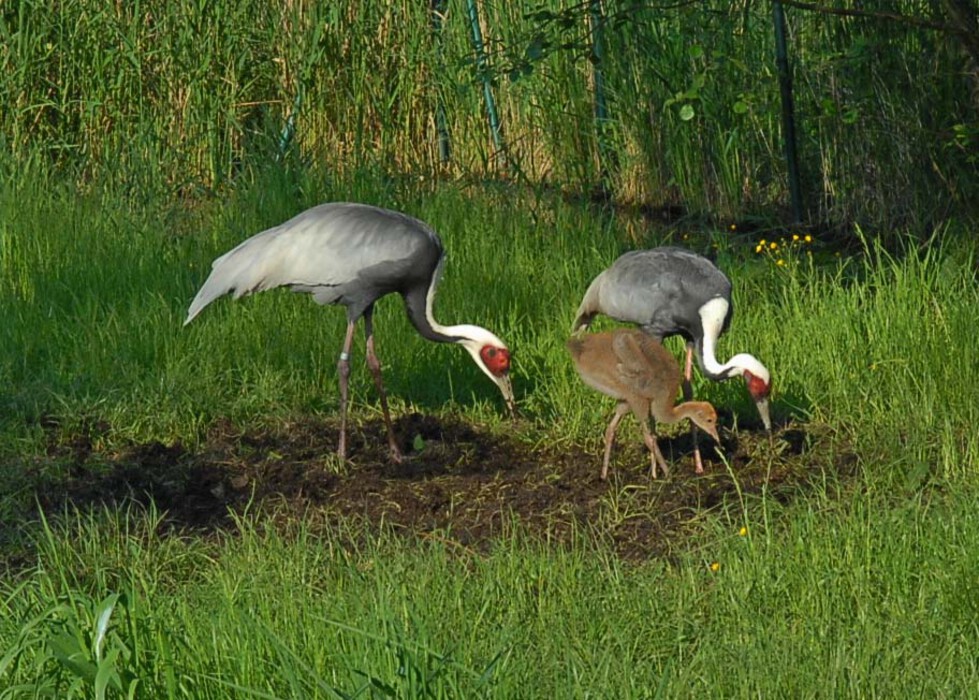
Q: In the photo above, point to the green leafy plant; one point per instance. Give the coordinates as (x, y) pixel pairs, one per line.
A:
(78, 646)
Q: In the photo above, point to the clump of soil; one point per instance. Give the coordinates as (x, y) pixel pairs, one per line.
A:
(458, 480)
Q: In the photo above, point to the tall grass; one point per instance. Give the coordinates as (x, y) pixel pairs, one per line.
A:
(887, 126)
(846, 598)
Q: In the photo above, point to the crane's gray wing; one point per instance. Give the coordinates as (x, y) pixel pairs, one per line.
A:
(330, 251)
(660, 289)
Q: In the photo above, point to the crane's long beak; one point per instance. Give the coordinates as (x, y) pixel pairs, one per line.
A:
(762, 405)
(506, 388)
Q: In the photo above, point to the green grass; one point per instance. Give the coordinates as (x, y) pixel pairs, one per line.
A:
(851, 597)
(129, 139)
(858, 586)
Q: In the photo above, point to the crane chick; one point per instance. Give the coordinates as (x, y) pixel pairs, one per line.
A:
(643, 376)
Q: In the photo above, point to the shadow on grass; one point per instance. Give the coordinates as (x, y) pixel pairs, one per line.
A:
(459, 480)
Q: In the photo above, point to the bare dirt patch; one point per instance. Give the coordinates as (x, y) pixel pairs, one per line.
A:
(459, 481)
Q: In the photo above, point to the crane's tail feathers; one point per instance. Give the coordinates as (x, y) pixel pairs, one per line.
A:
(229, 273)
(581, 322)
(208, 293)
(242, 270)
(589, 306)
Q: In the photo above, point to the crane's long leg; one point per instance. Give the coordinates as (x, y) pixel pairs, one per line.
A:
(375, 367)
(343, 371)
(655, 455)
(620, 411)
(687, 396)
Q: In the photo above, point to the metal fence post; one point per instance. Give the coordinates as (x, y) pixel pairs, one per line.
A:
(606, 155)
(788, 112)
(481, 69)
(438, 15)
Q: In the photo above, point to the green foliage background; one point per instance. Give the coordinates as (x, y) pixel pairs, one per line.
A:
(886, 111)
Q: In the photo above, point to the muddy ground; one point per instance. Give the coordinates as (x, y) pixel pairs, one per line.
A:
(459, 481)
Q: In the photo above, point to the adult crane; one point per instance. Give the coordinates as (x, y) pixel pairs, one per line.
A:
(354, 254)
(671, 291)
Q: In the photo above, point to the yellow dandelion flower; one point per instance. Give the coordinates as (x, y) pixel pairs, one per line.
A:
(715, 566)
(743, 531)
(773, 245)
(762, 242)
(734, 227)
(780, 262)
(758, 248)
(795, 237)
(808, 238)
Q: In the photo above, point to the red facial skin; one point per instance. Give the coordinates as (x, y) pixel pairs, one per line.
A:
(496, 359)
(756, 386)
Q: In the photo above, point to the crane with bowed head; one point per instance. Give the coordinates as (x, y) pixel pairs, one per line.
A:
(352, 255)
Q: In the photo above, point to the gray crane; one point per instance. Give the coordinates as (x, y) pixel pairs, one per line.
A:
(671, 291)
(354, 254)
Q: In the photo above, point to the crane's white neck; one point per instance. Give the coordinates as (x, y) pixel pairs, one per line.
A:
(473, 338)
(712, 315)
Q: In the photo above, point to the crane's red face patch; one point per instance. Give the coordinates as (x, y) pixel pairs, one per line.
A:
(496, 359)
(756, 386)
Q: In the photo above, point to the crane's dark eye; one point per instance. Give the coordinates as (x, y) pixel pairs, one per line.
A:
(497, 359)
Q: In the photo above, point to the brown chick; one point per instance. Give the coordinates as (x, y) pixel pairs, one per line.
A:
(642, 375)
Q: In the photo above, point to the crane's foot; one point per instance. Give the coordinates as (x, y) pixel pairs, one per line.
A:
(658, 461)
(396, 455)
(656, 458)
